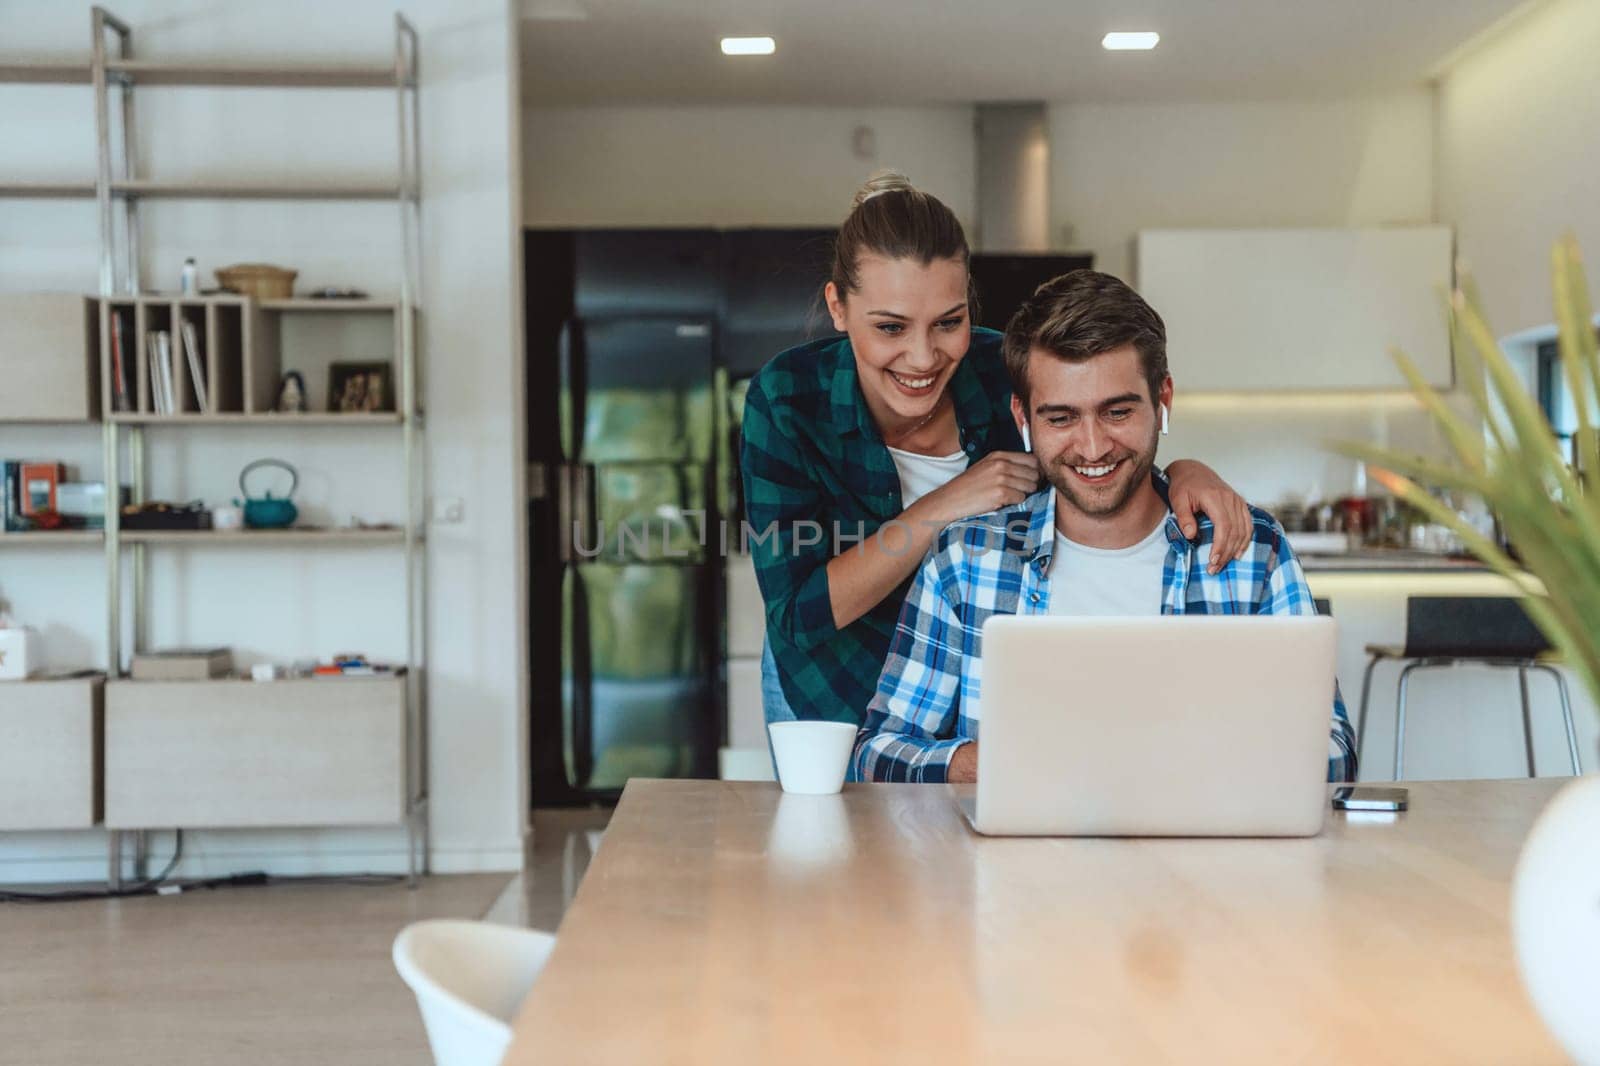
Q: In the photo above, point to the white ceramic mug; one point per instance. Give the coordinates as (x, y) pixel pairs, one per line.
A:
(227, 518)
(812, 756)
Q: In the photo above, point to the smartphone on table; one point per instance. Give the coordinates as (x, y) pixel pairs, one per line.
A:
(1368, 798)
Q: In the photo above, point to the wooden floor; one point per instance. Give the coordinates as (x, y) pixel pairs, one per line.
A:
(272, 976)
(564, 841)
(286, 974)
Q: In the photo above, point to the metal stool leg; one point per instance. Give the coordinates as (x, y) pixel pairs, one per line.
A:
(1566, 716)
(1400, 722)
(1527, 725)
(1361, 715)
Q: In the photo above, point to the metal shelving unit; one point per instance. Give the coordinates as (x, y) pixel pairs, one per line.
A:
(209, 75)
(65, 538)
(296, 537)
(46, 190)
(259, 418)
(114, 74)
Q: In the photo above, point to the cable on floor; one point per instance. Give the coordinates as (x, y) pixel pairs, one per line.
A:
(160, 885)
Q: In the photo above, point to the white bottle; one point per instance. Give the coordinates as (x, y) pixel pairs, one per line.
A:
(189, 283)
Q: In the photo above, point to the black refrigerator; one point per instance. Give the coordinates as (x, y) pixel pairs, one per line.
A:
(1003, 281)
(639, 343)
(623, 389)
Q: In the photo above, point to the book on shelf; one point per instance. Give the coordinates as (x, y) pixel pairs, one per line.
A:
(152, 349)
(160, 347)
(119, 371)
(166, 372)
(197, 375)
(12, 485)
(38, 489)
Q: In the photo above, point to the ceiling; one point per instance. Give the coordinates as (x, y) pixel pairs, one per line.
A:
(933, 51)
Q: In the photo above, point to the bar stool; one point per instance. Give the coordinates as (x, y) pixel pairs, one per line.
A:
(1484, 630)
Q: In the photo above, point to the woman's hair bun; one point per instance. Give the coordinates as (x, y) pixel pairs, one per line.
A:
(909, 225)
(881, 182)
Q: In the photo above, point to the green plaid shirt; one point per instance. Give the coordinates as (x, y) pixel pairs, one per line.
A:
(812, 460)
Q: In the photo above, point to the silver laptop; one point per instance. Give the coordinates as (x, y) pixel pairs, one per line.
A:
(1161, 726)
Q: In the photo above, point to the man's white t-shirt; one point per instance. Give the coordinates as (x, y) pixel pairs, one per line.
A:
(921, 474)
(1101, 582)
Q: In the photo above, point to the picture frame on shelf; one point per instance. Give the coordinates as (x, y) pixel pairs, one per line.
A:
(360, 388)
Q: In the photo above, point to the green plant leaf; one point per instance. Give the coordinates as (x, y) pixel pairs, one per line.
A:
(1468, 445)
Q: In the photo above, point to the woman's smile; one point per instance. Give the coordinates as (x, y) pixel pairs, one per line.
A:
(916, 386)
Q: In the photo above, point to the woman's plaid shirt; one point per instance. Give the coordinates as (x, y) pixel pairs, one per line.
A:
(818, 479)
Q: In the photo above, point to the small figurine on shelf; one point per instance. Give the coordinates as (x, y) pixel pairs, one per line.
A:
(189, 279)
(291, 394)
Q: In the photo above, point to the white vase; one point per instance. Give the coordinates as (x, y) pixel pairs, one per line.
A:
(1555, 917)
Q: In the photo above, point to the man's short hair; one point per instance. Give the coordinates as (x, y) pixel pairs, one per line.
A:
(1080, 315)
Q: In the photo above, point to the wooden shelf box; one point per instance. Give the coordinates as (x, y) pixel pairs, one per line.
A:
(246, 347)
(240, 754)
(47, 346)
(221, 326)
(311, 335)
(50, 753)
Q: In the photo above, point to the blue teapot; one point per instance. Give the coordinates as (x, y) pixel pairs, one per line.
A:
(269, 512)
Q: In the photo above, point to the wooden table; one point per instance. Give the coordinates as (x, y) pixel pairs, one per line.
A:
(724, 922)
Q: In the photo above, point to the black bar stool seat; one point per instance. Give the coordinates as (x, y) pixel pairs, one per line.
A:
(1481, 630)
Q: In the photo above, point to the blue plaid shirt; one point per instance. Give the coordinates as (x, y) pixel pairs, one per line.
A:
(932, 676)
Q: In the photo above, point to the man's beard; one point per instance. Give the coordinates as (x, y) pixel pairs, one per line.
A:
(1102, 504)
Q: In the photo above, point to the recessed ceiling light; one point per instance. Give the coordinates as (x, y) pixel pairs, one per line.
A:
(748, 46)
(1130, 42)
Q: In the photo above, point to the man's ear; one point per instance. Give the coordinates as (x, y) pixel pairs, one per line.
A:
(1018, 415)
(830, 296)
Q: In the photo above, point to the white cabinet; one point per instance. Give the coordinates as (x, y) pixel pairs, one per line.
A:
(1311, 309)
(227, 753)
(48, 362)
(747, 611)
(50, 753)
(745, 758)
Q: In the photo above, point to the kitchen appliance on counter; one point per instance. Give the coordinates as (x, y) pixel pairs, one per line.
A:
(1377, 526)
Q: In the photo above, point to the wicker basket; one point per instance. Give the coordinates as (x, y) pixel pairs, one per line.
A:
(261, 281)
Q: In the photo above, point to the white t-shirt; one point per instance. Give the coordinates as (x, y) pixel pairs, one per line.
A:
(921, 474)
(1101, 582)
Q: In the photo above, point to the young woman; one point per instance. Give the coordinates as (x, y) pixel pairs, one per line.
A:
(859, 450)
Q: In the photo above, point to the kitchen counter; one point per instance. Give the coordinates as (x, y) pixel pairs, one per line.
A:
(1390, 559)
(1462, 723)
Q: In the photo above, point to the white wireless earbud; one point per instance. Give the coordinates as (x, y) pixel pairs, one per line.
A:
(1027, 445)
(1163, 418)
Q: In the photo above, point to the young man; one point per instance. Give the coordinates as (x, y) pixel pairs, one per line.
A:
(1088, 364)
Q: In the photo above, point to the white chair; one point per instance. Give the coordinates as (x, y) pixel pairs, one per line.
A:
(469, 979)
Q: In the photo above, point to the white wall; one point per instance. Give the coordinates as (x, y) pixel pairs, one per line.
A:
(1519, 155)
(319, 603)
(1120, 168)
(1117, 169)
(732, 166)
